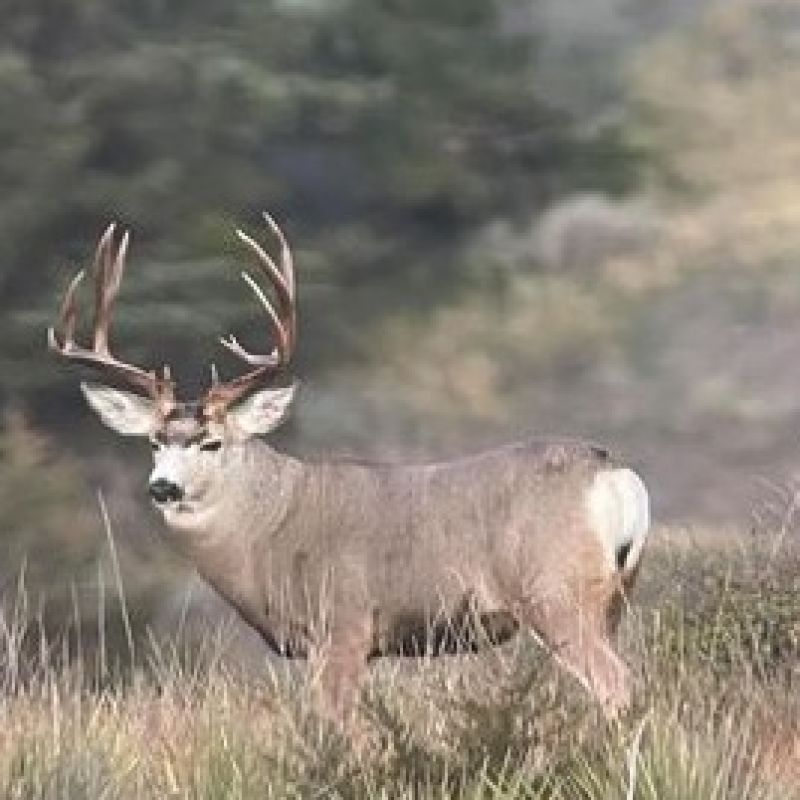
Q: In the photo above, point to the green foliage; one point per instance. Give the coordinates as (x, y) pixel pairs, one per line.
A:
(383, 131)
(44, 509)
(736, 627)
(57, 571)
(732, 614)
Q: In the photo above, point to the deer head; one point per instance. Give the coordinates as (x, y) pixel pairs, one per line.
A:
(191, 441)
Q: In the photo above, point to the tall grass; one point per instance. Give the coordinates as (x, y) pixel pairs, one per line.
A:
(712, 633)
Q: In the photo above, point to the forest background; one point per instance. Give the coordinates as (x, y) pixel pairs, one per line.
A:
(509, 219)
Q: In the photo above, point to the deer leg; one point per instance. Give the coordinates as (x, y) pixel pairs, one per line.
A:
(338, 685)
(580, 641)
(599, 668)
(341, 666)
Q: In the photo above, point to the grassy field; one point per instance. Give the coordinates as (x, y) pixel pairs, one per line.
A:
(713, 634)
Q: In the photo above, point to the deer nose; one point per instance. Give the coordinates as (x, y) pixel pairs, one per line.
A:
(162, 490)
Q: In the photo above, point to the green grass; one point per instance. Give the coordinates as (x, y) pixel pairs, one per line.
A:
(711, 634)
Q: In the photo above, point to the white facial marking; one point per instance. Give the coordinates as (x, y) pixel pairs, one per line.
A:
(190, 449)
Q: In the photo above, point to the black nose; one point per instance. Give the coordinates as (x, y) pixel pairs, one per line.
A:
(163, 490)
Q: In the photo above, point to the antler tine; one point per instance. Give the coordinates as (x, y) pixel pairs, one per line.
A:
(287, 270)
(283, 319)
(282, 315)
(108, 268)
(67, 316)
(271, 359)
(287, 261)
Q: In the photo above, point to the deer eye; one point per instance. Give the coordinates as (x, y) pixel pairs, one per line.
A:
(211, 446)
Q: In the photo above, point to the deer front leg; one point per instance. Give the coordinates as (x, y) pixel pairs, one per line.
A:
(340, 668)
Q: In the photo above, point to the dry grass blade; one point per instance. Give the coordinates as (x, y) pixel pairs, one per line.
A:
(189, 724)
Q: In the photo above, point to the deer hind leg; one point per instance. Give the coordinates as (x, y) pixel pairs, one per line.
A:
(580, 641)
(594, 662)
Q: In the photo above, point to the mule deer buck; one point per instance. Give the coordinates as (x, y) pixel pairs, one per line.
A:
(349, 561)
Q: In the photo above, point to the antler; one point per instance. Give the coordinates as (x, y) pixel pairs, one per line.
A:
(282, 317)
(109, 265)
(108, 268)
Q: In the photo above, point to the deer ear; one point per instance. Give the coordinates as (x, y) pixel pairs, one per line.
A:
(262, 412)
(124, 412)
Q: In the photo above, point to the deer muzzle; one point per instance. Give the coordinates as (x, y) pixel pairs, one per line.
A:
(165, 491)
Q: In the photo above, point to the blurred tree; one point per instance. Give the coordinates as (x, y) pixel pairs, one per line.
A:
(383, 130)
(57, 568)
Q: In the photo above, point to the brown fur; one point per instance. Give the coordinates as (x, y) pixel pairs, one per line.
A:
(346, 562)
(356, 561)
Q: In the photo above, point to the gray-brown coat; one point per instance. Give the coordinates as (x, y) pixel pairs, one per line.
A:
(348, 561)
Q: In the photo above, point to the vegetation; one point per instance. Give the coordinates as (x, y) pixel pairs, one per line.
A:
(716, 714)
(498, 231)
(622, 271)
(58, 564)
(381, 132)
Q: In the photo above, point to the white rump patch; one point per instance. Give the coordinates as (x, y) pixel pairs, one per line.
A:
(619, 513)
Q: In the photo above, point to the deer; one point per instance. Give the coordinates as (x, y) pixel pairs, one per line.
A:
(345, 561)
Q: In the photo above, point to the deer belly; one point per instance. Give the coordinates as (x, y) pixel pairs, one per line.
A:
(415, 633)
